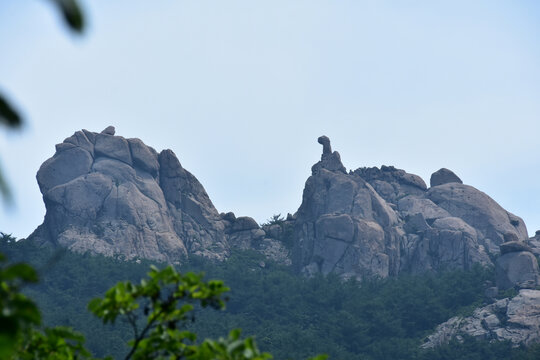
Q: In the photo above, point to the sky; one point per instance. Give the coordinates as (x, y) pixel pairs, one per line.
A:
(240, 91)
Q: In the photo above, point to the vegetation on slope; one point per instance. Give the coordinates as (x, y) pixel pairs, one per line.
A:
(290, 316)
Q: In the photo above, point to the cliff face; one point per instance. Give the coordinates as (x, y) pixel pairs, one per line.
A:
(115, 196)
(384, 221)
(118, 197)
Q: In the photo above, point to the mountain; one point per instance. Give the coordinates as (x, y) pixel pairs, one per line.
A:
(118, 197)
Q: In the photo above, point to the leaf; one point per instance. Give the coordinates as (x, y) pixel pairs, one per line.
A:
(22, 271)
(4, 188)
(320, 357)
(8, 115)
(72, 13)
(7, 344)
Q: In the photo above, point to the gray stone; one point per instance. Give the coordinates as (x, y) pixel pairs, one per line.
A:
(275, 251)
(337, 227)
(230, 217)
(63, 167)
(392, 184)
(194, 215)
(344, 226)
(325, 142)
(491, 292)
(80, 139)
(411, 205)
(244, 223)
(109, 130)
(114, 196)
(516, 320)
(107, 195)
(416, 224)
(478, 210)
(534, 244)
(510, 237)
(517, 269)
(443, 176)
(514, 246)
(144, 157)
(114, 147)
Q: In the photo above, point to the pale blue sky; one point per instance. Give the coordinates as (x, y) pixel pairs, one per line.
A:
(240, 90)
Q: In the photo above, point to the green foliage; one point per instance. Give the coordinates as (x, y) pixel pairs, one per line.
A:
(19, 318)
(8, 115)
(290, 316)
(18, 313)
(167, 298)
(276, 219)
(157, 310)
(286, 235)
(59, 343)
(231, 347)
(508, 293)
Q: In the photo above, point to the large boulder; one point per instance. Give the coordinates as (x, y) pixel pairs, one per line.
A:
(517, 269)
(118, 197)
(443, 176)
(480, 211)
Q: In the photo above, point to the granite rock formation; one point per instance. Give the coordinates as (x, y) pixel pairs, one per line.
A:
(379, 222)
(516, 320)
(119, 197)
(443, 176)
(534, 243)
(517, 267)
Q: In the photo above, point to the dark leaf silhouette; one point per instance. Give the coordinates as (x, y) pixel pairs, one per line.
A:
(8, 115)
(72, 13)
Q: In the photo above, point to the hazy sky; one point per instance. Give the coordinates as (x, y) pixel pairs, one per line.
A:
(240, 90)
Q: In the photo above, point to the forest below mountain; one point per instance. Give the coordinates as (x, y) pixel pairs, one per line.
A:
(291, 316)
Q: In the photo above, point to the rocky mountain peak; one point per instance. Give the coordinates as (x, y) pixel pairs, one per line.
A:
(330, 160)
(119, 197)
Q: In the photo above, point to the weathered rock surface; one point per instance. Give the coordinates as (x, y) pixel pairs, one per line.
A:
(534, 243)
(480, 211)
(517, 269)
(379, 222)
(340, 226)
(117, 196)
(516, 320)
(514, 246)
(443, 176)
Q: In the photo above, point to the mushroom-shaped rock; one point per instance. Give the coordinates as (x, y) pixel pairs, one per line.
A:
(444, 176)
(329, 160)
(325, 142)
